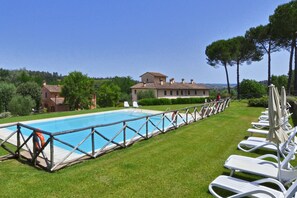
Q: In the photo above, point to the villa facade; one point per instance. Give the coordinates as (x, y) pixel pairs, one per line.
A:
(52, 100)
(157, 82)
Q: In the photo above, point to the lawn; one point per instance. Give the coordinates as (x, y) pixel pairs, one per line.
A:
(180, 163)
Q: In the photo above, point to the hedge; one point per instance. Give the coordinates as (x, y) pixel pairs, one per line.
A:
(258, 102)
(165, 101)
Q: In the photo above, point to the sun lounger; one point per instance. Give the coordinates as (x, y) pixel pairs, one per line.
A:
(126, 104)
(243, 188)
(260, 166)
(135, 104)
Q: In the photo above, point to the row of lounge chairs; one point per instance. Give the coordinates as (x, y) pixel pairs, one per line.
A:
(278, 173)
(134, 104)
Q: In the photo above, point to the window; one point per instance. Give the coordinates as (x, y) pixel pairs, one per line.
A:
(182, 92)
(189, 92)
(165, 93)
(177, 92)
(203, 92)
(171, 93)
(147, 80)
(135, 91)
(195, 92)
(45, 94)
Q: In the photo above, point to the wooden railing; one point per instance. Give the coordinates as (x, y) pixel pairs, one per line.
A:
(49, 155)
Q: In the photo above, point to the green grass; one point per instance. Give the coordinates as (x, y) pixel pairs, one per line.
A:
(180, 163)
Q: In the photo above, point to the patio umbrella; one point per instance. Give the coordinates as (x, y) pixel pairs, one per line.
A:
(283, 102)
(276, 133)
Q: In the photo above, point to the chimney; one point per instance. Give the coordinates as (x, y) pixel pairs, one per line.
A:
(192, 81)
(183, 81)
(161, 82)
(171, 80)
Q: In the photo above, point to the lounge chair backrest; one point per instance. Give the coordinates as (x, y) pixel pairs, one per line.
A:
(292, 190)
(126, 104)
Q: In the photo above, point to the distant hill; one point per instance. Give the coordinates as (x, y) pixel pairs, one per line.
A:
(219, 85)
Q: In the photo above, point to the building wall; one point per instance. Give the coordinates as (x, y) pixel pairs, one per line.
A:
(173, 93)
(167, 93)
(148, 78)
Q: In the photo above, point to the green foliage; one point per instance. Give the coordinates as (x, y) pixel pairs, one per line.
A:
(279, 81)
(108, 95)
(124, 83)
(5, 115)
(219, 53)
(78, 90)
(258, 102)
(31, 89)
(21, 105)
(145, 94)
(7, 91)
(166, 101)
(252, 89)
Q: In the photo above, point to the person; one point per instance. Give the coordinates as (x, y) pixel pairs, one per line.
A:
(218, 96)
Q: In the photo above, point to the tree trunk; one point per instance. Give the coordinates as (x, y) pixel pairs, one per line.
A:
(228, 84)
(269, 63)
(290, 68)
(295, 70)
(238, 88)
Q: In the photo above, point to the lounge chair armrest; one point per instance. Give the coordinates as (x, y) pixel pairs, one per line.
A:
(271, 180)
(252, 192)
(268, 156)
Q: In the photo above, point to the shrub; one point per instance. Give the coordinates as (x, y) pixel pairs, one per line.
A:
(252, 89)
(21, 105)
(258, 102)
(166, 101)
(146, 94)
(5, 115)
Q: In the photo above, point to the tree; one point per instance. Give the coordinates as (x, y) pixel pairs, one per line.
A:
(78, 90)
(108, 95)
(242, 50)
(279, 81)
(21, 105)
(219, 53)
(262, 37)
(284, 25)
(145, 94)
(31, 89)
(252, 89)
(7, 91)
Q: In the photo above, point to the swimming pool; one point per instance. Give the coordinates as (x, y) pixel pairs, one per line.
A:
(107, 135)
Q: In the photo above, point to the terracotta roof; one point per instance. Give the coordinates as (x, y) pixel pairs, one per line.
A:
(167, 85)
(156, 74)
(53, 88)
(58, 100)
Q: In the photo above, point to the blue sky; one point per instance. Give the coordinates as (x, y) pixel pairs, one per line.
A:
(106, 38)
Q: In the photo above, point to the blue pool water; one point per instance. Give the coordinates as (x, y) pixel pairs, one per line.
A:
(109, 132)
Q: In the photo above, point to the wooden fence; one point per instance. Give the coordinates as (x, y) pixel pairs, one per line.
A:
(50, 156)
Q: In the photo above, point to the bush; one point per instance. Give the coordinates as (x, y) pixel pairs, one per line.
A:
(251, 89)
(258, 102)
(166, 101)
(146, 94)
(5, 115)
(21, 105)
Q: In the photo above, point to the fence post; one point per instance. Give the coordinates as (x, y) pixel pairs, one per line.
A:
(163, 122)
(146, 127)
(187, 113)
(124, 133)
(52, 151)
(34, 140)
(93, 142)
(195, 114)
(17, 154)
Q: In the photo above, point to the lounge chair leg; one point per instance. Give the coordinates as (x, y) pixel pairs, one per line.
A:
(232, 172)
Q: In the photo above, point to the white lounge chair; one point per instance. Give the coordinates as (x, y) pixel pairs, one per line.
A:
(135, 104)
(260, 166)
(126, 104)
(254, 143)
(243, 188)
